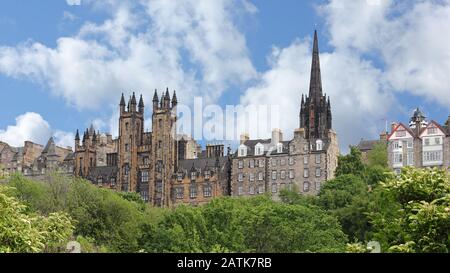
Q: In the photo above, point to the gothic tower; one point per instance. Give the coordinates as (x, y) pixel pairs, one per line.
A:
(163, 156)
(315, 113)
(131, 128)
(85, 152)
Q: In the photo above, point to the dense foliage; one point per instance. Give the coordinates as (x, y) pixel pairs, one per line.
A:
(364, 202)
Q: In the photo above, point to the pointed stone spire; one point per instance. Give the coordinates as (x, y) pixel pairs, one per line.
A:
(174, 99)
(141, 102)
(133, 99)
(122, 101)
(315, 86)
(77, 136)
(94, 137)
(167, 93)
(155, 100)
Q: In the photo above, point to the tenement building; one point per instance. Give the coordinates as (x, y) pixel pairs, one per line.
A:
(421, 143)
(303, 163)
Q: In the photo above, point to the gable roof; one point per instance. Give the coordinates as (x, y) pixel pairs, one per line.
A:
(397, 127)
(434, 123)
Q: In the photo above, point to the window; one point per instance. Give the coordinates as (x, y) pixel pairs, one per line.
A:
(283, 174)
(397, 144)
(305, 147)
(126, 126)
(240, 164)
(207, 191)
(426, 141)
(279, 148)
(410, 158)
(409, 144)
(291, 174)
(282, 162)
(100, 181)
(274, 175)
(432, 156)
(261, 163)
(146, 160)
(126, 170)
(193, 175)
(305, 173)
(260, 176)
(398, 158)
(318, 158)
(306, 187)
(193, 192)
(400, 133)
(317, 186)
(252, 177)
(207, 174)
(431, 130)
(159, 144)
(274, 162)
(251, 190)
(127, 147)
(243, 150)
(259, 149)
(260, 189)
(274, 187)
(291, 161)
(437, 140)
(179, 192)
(144, 176)
(251, 163)
(240, 190)
(319, 145)
(160, 122)
(159, 186)
(144, 196)
(240, 177)
(318, 172)
(180, 177)
(306, 160)
(113, 181)
(291, 149)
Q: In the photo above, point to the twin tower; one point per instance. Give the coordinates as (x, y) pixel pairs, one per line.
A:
(138, 161)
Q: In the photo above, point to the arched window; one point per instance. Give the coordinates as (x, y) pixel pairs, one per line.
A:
(319, 145)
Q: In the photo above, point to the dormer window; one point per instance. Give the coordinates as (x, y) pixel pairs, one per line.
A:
(207, 174)
(180, 177)
(193, 175)
(259, 149)
(242, 150)
(279, 148)
(319, 145)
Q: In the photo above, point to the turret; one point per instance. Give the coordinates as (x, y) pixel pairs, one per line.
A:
(141, 105)
(77, 140)
(166, 99)
(155, 100)
(174, 99)
(122, 104)
(133, 103)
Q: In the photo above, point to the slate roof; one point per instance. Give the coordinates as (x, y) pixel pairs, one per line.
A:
(104, 171)
(201, 163)
(367, 145)
(266, 142)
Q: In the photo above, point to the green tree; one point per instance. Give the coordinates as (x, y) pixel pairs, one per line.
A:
(351, 163)
(22, 231)
(421, 222)
(378, 156)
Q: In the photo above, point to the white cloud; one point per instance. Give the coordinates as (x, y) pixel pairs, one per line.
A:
(409, 37)
(33, 127)
(73, 2)
(191, 46)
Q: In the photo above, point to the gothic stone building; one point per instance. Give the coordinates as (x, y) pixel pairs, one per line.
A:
(306, 161)
(36, 160)
(421, 143)
(154, 164)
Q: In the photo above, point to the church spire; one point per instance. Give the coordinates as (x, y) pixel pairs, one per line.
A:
(315, 86)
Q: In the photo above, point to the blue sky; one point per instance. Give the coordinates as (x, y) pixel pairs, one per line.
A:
(370, 67)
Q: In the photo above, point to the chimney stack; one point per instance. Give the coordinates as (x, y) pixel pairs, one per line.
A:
(244, 138)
